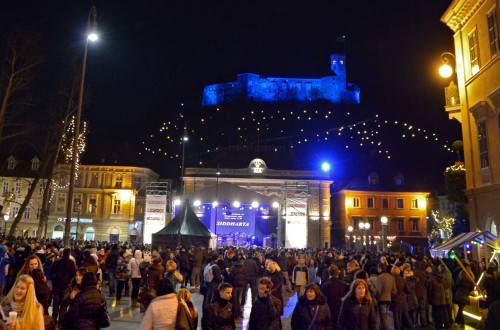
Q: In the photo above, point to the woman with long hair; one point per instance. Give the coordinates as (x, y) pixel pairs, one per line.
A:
(312, 311)
(32, 262)
(357, 311)
(313, 271)
(21, 299)
(185, 295)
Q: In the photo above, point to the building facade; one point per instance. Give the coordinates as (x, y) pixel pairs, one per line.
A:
(370, 201)
(477, 52)
(252, 86)
(282, 186)
(109, 202)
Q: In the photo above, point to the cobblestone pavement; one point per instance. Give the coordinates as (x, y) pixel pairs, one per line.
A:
(124, 317)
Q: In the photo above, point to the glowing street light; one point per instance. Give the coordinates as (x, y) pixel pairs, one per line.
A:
(384, 221)
(93, 36)
(445, 70)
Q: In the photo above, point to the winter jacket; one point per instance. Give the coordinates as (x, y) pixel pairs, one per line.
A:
(357, 316)
(63, 271)
(435, 288)
(489, 284)
(43, 293)
(134, 265)
(265, 313)
(161, 313)
(197, 258)
(398, 303)
(84, 311)
(237, 275)
(423, 278)
(300, 275)
(448, 288)
(174, 276)
(464, 287)
(278, 279)
(219, 315)
(334, 290)
(89, 262)
(349, 277)
(112, 259)
(303, 314)
(121, 269)
(4, 262)
(152, 277)
(411, 297)
(385, 288)
(251, 269)
(283, 262)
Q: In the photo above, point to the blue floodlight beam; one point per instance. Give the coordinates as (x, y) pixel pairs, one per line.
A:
(326, 167)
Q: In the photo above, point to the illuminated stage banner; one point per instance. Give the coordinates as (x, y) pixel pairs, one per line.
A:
(234, 220)
(154, 217)
(296, 223)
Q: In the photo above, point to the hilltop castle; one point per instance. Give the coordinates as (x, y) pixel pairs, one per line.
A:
(252, 86)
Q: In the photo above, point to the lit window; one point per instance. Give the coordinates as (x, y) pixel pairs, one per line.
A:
(483, 144)
(492, 18)
(118, 181)
(474, 52)
(400, 203)
(116, 205)
(77, 201)
(414, 203)
(92, 204)
(355, 202)
(371, 203)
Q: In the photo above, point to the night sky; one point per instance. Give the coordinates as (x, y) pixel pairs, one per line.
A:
(153, 56)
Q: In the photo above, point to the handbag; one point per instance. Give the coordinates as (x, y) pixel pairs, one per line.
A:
(104, 320)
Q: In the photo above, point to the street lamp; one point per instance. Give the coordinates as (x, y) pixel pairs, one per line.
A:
(361, 232)
(367, 230)
(384, 221)
(445, 70)
(92, 36)
(351, 241)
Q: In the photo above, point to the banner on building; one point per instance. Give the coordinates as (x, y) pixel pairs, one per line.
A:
(154, 215)
(296, 223)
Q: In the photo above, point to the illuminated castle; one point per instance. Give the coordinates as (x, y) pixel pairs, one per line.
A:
(252, 86)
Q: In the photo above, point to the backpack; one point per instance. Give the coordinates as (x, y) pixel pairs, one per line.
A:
(208, 273)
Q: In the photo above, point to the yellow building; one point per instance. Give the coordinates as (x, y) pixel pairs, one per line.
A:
(16, 176)
(108, 202)
(477, 52)
(369, 199)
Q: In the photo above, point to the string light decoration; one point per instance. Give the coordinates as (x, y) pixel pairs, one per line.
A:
(441, 223)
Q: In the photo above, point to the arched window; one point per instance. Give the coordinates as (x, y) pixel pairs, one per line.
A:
(58, 232)
(90, 234)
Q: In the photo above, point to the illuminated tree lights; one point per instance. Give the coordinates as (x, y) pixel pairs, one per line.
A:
(442, 226)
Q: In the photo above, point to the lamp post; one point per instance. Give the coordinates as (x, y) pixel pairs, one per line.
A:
(277, 205)
(92, 36)
(361, 233)
(367, 232)
(351, 241)
(79, 203)
(185, 138)
(384, 221)
(445, 70)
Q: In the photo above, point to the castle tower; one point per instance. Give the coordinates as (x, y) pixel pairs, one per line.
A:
(337, 64)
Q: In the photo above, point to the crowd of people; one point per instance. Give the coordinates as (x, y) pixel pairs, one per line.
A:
(47, 286)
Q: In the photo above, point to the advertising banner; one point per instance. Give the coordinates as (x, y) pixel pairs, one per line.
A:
(296, 223)
(154, 216)
(234, 220)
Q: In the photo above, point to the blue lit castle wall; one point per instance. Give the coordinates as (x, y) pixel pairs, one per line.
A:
(271, 89)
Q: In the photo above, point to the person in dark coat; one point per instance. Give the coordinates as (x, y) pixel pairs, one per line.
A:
(84, 311)
(399, 306)
(489, 284)
(411, 297)
(421, 291)
(111, 262)
(252, 272)
(42, 290)
(152, 276)
(312, 311)
(284, 263)
(437, 298)
(213, 285)
(334, 290)
(493, 318)
(357, 311)
(238, 279)
(218, 314)
(89, 262)
(265, 313)
(464, 288)
(63, 271)
(276, 276)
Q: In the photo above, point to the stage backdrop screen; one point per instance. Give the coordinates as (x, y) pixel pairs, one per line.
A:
(154, 217)
(234, 220)
(296, 223)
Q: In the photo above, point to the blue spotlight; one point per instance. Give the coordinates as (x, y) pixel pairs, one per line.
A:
(326, 167)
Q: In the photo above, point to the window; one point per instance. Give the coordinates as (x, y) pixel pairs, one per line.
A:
(415, 224)
(15, 211)
(137, 183)
(371, 221)
(77, 201)
(399, 181)
(5, 187)
(118, 181)
(35, 165)
(94, 180)
(385, 203)
(371, 203)
(474, 52)
(400, 203)
(11, 164)
(116, 205)
(92, 204)
(492, 18)
(61, 202)
(401, 224)
(355, 222)
(38, 213)
(40, 188)
(18, 187)
(355, 202)
(27, 213)
(483, 144)
(414, 203)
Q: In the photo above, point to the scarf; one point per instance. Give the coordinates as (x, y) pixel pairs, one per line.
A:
(17, 307)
